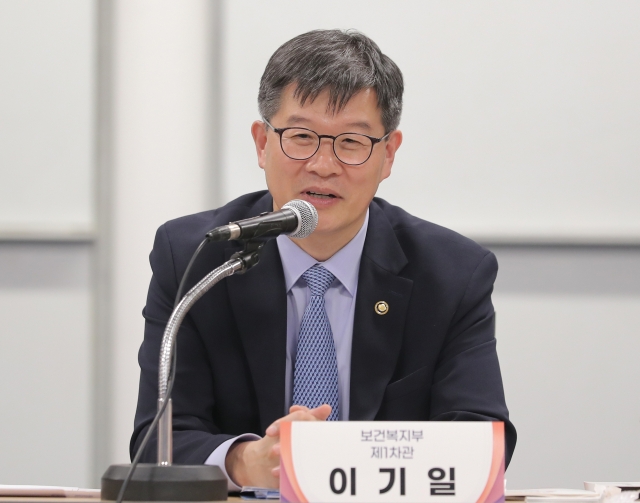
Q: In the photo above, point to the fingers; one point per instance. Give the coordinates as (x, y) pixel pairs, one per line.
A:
(321, 413)
(300, 413)
(251, 463)
(296, 413)
(274, 429)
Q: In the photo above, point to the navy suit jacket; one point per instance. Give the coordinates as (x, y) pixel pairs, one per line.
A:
(431, 357)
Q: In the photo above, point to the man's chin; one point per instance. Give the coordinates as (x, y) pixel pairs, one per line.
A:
(328, 229)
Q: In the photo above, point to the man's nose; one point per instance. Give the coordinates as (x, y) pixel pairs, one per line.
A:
(324, 162)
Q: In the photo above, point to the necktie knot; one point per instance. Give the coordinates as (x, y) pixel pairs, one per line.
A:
(318, 279)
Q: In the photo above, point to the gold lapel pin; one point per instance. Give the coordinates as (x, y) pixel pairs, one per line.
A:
(381, 307)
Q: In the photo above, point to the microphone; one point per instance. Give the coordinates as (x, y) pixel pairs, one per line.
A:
(297, 219)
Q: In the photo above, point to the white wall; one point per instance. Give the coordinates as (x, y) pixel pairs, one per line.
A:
(570, 372)
(45, 363)
(155, 154)
(47, 59)
(567, 330)
(47, 64)
(162, 75)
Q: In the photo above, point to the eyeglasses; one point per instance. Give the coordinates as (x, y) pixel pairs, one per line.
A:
(300, 143)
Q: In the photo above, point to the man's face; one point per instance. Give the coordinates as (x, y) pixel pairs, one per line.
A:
(340, 192)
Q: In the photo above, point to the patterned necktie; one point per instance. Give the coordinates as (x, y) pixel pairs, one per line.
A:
(315, 379)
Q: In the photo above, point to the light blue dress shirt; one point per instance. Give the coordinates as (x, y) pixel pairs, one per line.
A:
(340, 305)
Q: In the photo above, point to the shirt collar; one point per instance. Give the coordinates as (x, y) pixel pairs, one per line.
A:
(344, 264)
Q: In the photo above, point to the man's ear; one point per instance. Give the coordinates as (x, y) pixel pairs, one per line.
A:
(391, 146)
(259, 133)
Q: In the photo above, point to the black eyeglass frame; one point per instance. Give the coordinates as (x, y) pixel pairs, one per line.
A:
(373, 139)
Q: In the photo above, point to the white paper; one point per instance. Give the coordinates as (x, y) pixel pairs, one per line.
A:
(48, 491)
(593, 486)
(542, 493)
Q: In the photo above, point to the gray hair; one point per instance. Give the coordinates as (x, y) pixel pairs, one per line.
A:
(342, 62)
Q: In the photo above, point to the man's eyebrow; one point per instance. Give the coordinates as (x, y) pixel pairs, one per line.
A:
(361, 125)
(299, 120)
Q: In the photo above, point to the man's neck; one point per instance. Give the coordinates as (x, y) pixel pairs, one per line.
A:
(323, 246)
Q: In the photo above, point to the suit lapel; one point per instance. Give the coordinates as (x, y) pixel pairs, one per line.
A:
(377, 339)
(258, 300)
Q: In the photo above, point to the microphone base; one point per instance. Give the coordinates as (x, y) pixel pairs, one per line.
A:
(151, 482)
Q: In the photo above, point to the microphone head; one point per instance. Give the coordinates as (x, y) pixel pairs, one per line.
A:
(307, 217)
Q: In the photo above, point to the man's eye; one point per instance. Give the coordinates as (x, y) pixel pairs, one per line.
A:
(299, 137)
(351, 142)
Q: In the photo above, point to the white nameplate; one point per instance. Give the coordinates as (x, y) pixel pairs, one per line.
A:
(370, 461)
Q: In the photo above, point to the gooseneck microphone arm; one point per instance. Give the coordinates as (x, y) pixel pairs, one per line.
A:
(115, 480)
(239, 263)
(297, 218)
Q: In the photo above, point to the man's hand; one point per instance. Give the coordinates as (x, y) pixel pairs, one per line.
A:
(257, 463)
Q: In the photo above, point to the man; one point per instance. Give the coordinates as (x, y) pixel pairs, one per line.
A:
(376, 315)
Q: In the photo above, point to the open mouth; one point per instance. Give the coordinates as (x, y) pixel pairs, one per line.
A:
(320, 195)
